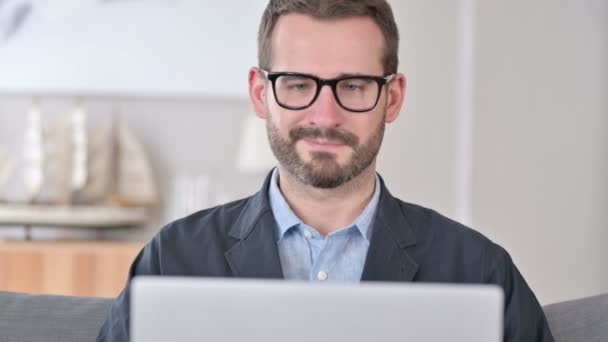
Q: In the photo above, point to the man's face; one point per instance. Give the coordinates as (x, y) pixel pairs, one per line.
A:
(325, 145)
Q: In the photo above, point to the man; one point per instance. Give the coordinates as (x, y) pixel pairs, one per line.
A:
(327, 84)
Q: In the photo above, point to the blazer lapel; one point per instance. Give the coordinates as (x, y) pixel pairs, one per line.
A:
(255, 255)
(387, 258)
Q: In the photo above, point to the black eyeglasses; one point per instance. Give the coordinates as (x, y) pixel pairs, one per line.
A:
(355, 93)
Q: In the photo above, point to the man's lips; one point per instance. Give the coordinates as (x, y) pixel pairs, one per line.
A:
(323, 143)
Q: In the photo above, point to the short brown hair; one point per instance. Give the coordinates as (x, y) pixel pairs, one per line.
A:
(379, 10)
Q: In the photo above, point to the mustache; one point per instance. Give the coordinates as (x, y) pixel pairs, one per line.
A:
(331, 134)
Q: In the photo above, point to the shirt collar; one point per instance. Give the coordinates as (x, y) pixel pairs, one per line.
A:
(286, 218)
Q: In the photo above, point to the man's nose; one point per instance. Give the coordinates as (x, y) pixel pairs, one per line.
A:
(325, 111)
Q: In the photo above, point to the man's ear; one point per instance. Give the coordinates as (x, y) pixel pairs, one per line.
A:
(257, 92)
(396, 97)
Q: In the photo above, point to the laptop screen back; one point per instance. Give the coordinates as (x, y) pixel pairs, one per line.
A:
(222, 310)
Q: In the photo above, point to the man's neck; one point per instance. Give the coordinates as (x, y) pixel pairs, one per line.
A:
(328, 210)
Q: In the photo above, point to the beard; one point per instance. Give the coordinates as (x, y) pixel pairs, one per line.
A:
(323, 170)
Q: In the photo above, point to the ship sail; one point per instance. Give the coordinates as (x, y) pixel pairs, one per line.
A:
(134, 180)
(98, 183)
(57, 158)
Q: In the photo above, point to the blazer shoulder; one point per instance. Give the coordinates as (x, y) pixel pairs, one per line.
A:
(431, 226)
(215, 221)
(179, 247)
(465, 254)
(422, 216)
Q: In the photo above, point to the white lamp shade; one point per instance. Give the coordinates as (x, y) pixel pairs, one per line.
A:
(254, 154)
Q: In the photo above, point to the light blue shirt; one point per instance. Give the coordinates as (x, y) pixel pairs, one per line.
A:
(306, 255)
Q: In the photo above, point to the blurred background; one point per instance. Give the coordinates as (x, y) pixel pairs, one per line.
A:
(505, 128)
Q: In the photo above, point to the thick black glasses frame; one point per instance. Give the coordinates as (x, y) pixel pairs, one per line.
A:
(273, 76)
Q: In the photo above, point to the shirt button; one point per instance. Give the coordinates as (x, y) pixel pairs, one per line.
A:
(322, 275)
(307, 234)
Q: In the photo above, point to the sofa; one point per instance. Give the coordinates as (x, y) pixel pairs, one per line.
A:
(35, 318)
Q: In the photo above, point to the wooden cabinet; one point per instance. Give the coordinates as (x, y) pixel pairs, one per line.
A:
(82, 268)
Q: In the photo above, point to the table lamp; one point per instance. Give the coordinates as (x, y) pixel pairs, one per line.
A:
(254, 154)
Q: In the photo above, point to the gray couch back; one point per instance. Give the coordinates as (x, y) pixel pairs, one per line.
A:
(25, 318)
(579, 320)
(35, 318)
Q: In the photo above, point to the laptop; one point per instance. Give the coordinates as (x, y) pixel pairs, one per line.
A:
(236, 310)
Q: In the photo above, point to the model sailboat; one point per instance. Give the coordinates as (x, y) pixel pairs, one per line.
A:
(65, 165)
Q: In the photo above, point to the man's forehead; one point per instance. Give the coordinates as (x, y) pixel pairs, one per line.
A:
(353, 27)
(355, 43)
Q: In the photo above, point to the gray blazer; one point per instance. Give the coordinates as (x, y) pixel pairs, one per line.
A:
(409, 243)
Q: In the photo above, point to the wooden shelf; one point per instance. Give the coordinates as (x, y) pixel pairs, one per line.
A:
(97, 217)
(83, 268)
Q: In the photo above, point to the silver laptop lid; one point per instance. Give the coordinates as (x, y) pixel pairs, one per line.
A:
(236, 310)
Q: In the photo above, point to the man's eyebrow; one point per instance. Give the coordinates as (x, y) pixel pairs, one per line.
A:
(349, 74)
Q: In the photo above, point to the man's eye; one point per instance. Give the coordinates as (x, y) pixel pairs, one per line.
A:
(352, 86)
(298, 86)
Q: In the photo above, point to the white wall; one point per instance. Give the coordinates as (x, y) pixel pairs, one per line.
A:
(185, 47)
(541, 140)
(418, 151)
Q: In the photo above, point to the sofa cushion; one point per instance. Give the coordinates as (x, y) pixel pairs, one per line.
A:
(49, 318)
(579, 320)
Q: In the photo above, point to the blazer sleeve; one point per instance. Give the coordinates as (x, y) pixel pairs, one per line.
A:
(116, 326)
(524, 319)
